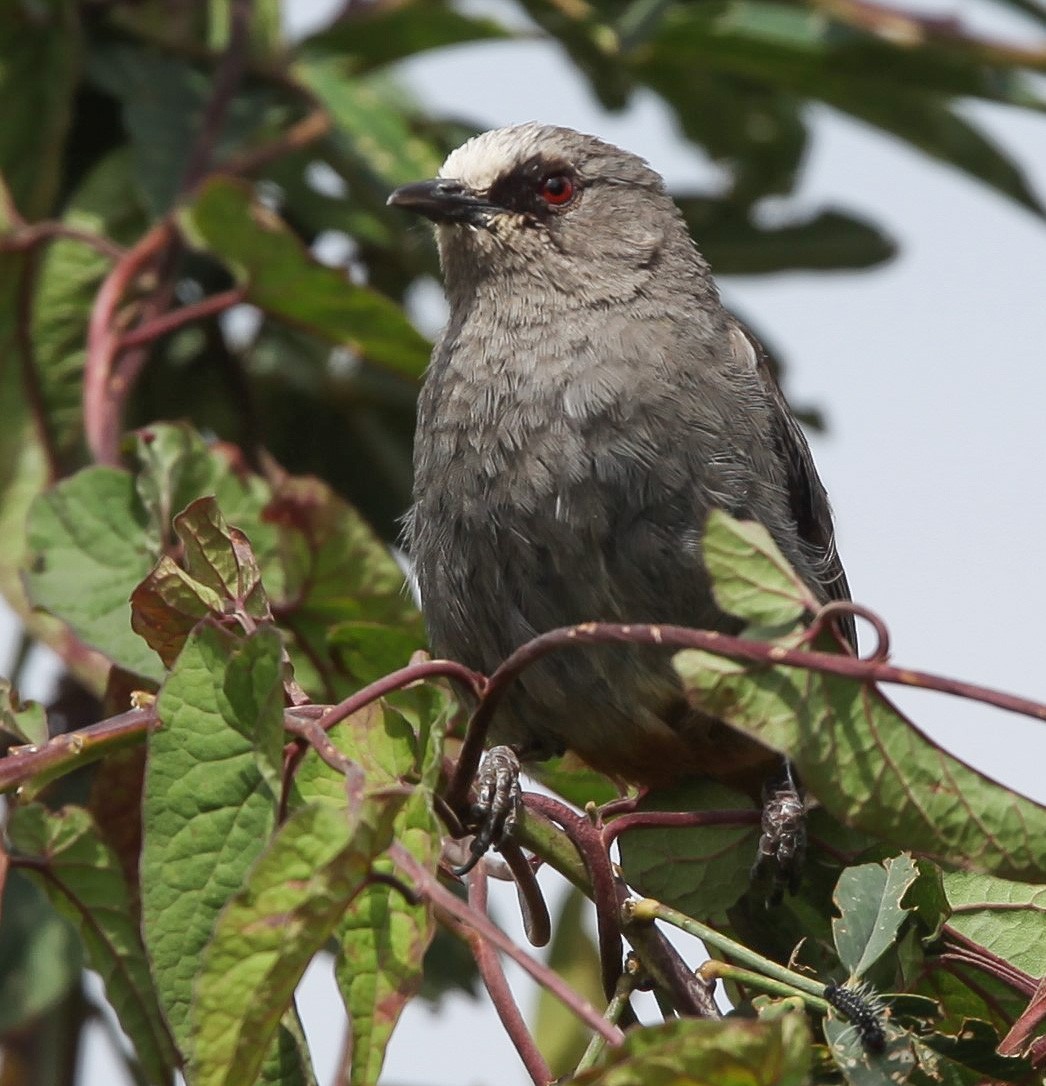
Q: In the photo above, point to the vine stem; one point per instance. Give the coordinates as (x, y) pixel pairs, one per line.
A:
(717, 970)
(646, 910)
(101, 419)
(498, 987)
(615, 1009)
(428, 886)
(873, 670)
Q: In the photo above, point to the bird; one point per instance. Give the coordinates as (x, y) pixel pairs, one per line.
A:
(587, 404)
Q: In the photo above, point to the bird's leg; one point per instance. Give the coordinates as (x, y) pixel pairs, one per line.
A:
(782, 844)
(497, 799)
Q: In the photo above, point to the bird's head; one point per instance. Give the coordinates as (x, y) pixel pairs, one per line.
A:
(571, 213)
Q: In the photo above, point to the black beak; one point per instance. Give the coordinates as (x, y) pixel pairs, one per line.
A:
(442, 200)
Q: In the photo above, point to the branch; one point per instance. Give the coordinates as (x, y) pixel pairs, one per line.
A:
(73, 749)
(170, 322)
(100, 399)
(498, 987)
(227, 78)
(428, 886)
(871, 670)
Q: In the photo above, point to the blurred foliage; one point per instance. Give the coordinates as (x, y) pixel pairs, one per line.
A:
(193, 227)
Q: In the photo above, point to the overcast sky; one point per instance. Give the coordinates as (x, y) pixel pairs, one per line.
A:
(932, 377)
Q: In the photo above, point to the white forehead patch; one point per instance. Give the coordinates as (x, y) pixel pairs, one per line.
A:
(481, 161)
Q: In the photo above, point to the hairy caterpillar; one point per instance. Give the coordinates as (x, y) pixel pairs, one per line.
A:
(864, 1009)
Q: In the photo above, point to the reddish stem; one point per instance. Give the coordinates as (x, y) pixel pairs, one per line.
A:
(658, 819)
(498, 987)
(736, 648)
(170, 322)
(396, 680)
(428, 886)
(29, 236)
(22, 764)
(536, 921)
(605, 887)
(101, 418)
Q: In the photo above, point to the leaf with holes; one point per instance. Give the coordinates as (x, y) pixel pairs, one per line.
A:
(869, 898)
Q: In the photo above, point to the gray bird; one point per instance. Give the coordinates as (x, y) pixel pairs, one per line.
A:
(588, 403)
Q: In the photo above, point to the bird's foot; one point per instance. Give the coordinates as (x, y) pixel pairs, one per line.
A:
(782, 844)
(497, 799)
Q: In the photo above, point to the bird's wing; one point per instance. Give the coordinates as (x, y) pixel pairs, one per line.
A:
(807, 495)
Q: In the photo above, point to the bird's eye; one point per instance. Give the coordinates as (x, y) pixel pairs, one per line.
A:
(557, 189)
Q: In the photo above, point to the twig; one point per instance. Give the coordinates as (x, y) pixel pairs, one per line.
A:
(498, 987)
(170, 322)
(29, 235)
(615, 1009)
(962, 949)
(870, 670)
(396, 680)
(654, 819)
(429, 887)
(227, 78)
(714, 969)
(300, 134)
(536, 921)
(74, 748)
(589, 843)
(647, 909)
(101, 414)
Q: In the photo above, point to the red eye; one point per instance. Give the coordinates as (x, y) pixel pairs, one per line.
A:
(557, 189)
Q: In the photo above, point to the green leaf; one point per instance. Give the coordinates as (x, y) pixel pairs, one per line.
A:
(83, 879)
(862, 1068)
(294, 897)
(163, 101)
(369, 126)
(221, 578)
(700, 870)
(793, 50)
(382, 938)
(870, 912)
(369, 650)
(334, 570)
(382, 941)
(750, 576)
(209, 802)
(25, 721)
(1007, 918)
(972, 1054)
(88, 547)
(69, 275)
(731, 1052)
(561, 1036)
(826, 241)
(287, 283)
(40, 955)
(871, 767)
(381, 35)
(40, 56)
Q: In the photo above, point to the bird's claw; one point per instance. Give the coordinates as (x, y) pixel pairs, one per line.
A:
(782, 843)
(498, 796)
